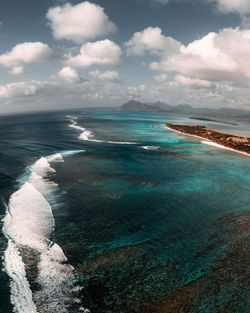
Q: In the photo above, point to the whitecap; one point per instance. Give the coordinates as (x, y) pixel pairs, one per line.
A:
(88, 135)
(150, 147)
(21, 295)
(29, 223)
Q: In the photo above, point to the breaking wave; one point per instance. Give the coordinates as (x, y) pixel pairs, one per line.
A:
(28, 226)
(88, 135)
(150, 147)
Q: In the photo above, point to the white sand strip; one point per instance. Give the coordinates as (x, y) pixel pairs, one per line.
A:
(209, 142)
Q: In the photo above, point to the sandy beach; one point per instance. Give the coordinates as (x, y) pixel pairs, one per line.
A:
(207, 141)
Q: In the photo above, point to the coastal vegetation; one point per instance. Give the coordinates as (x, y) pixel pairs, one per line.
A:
(239, 143)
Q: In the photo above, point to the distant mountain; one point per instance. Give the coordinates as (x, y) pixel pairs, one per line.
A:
(136, 106)
(159, 106)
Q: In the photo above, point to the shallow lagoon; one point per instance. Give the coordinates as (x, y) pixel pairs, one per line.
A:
(161, 230)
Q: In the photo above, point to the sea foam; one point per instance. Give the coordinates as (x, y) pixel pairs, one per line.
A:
(85, 134)
(21, 295)
(28, 224)
(150, 147)
(88, 135)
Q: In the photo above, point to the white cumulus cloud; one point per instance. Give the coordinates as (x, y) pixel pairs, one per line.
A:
(108, 75)
(237, 6)
(69, 74)
(216, 56)
(56, 93)
(193, 82)
(104, 52)
(18, 89)
(161, 78)
(224, 6)
(151, 40)
(26, 53)
(79, 22)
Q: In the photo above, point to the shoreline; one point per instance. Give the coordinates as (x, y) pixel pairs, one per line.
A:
(206, 141)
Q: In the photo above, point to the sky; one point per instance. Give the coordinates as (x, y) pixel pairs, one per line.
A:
(56, 54)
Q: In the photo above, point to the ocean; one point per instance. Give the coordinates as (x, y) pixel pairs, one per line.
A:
(109, 212)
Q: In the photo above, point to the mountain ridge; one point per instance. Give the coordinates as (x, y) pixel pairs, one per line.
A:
(137, 106)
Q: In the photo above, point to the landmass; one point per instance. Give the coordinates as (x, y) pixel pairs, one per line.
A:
(225, 113)
(211, 120)
(229, 141)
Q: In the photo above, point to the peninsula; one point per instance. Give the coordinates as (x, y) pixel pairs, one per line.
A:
(229, 141)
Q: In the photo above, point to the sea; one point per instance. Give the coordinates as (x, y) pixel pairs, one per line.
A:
(106, 211)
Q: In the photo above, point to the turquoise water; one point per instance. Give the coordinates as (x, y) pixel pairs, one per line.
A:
(152, 221)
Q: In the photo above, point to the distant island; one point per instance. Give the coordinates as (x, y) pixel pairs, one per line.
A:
(232, 142)
(211, 120)
(137, 106)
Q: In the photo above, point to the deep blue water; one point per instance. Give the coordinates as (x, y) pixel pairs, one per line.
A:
(132, 217)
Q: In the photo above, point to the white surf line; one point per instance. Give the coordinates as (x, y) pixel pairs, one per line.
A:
(21, 295)
(29, 223)
(18, 233)
(88, 135)
(208, 142)
(150, 147)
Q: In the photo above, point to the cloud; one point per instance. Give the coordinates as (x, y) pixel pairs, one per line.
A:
(26, 53)
(151, 40)
(17, 70)
(241, 7)
(216, 56)
(104, 52)
(80, 22)
(237, 6)
(108, 75)
(56, 93)
(18, 89)
(192, 82)
(69, 74)
(94, 73)
(161, 78)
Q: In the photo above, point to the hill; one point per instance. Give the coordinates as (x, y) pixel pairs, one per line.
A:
(137, 106)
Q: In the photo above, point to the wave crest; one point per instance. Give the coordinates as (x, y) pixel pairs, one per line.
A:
(88, 135)
(28, 224)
